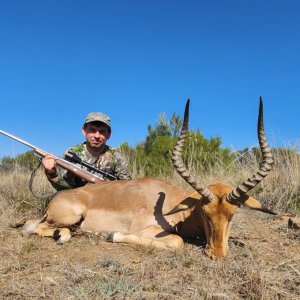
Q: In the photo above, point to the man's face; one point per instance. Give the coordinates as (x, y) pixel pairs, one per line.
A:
(96, 134)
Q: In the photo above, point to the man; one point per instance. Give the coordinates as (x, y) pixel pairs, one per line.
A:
(96, 130)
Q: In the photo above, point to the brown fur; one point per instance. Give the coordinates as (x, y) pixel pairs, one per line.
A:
(144, 211)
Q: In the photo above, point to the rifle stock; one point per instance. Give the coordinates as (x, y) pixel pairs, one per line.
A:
(86, 175)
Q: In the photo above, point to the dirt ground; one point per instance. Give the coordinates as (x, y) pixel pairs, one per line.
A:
(263, 263)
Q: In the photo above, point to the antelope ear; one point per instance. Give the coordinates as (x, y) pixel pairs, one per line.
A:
(256, 205)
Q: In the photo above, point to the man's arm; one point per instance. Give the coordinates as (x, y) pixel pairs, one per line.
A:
(60, 178)
(121, 169)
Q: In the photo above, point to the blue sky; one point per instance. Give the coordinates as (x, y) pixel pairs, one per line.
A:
(61, 59)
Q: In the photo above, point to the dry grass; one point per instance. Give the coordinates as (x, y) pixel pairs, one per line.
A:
(263, 262)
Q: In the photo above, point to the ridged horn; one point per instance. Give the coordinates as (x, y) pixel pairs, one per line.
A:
(178, 162)
(265, 165)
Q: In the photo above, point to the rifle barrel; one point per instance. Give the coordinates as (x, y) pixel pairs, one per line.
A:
(17, 139)
(60, 161)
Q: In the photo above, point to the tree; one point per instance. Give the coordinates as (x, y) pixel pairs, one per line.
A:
(152, 157)
(25, 161)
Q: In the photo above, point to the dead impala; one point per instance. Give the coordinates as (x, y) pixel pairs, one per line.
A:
(149, 211)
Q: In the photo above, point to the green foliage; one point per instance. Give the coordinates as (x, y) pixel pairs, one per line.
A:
(164, 128)
(157, 161)
(201, 153)
(153, 156)
(25, 161)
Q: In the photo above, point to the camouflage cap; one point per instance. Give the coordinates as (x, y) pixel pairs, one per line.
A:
(98, 117)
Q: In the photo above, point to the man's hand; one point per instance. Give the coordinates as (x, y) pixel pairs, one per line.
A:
(49, 163)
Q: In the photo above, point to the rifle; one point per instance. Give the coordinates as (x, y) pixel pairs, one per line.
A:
(84, 174)
(74, 158)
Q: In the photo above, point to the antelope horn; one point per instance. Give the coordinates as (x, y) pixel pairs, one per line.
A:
(265, 165)
(178, 162)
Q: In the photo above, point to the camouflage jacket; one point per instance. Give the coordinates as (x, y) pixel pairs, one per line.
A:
(111, 161)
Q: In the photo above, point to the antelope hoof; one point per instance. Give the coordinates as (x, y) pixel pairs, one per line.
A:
(114, 237)
(61, 238)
